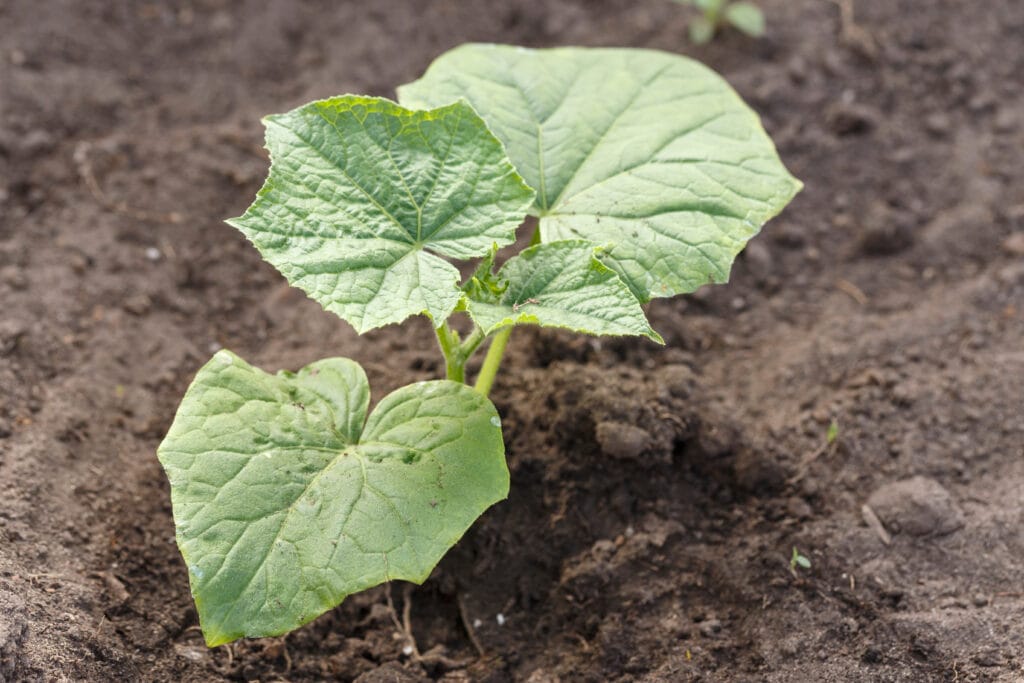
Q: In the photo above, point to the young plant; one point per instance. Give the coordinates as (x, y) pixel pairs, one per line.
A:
(743, 16)
(647, 174)
(798, 560)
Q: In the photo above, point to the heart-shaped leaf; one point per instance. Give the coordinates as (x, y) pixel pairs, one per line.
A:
(562, 284)
(363, 195)
(650, 153)
(285, 503)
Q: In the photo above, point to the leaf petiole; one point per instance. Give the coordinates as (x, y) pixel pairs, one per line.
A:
(472, 343)
(492, 361)
(457, 352)
(455, 363)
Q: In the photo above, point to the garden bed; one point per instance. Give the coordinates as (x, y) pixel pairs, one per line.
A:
(657, 493)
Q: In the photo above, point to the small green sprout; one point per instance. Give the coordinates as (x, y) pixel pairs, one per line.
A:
(833, 432)
(647, 175)
(798, 560)
(743, 16)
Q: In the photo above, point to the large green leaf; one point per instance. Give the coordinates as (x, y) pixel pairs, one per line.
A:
(362, 191)
(285, 503)
(649, 153)
(562, 284)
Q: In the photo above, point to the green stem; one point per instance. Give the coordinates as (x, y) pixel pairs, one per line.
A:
(492, 361)
(472, 343)
(455, 362)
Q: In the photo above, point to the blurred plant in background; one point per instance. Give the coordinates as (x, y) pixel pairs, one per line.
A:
(743, 16)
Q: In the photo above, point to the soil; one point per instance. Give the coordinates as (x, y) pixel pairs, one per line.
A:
(658, 493)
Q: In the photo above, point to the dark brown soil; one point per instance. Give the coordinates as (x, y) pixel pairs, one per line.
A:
(657, 493)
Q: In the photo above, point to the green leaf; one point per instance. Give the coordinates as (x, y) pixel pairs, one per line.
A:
(285, 503)
(747, 17)
(650, 153)
(798, 560)
(701, 30)
(363, 195)
(563, 284)
(833, 432)
(483, 284)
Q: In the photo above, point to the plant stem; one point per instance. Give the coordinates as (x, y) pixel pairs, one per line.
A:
(455, 362)
(492, 361)
(472, 343)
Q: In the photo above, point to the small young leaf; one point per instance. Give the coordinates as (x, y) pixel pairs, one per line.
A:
(833, 432)
(747, 17)
(701, 30)
(483, 284)
(798, 560)
(650, 153)
(364, 194)
(285, 503)
(563, 284)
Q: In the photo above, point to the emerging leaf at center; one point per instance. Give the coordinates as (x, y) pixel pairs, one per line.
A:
(285, 503)
(647, 152)
(364, 195)
(562, 284)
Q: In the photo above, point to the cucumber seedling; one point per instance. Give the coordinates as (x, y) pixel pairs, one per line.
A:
(745, 17)
(647, 175)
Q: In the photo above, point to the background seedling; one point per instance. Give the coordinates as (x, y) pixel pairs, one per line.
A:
(647, 175)
(743, 16)
(833, 432)
(798, 560)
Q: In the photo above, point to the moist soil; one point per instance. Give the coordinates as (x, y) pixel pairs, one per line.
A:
(657, 493)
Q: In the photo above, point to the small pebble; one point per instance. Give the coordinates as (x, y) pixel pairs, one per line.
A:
(988, 657)
(710, 628)
(758, 258)
(137, 305)
(798, 508)
(789, 236)
(153, 254)
(621, 440)
(797, 69)
(500, 618)
(759, 472)
(679, 379)
(918, 506)
(1014, 244)
(872, 655)
(13, 277)
(37, 142)
(937, 124)
(11, 332)
(1011, 274)
(884, 231)
(1006, 120)
(845, 118)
